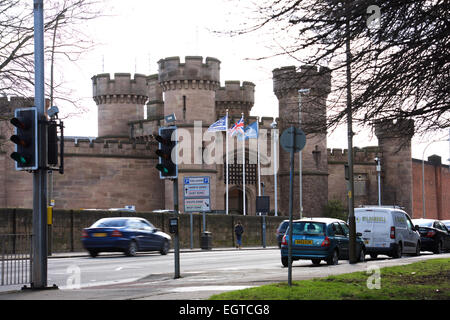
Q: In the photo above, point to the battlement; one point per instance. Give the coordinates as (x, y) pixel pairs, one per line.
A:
(107, 90)
(8, 105)
(290, 78)
(364, 155)
(193, 69)
(235, 92)
(94, 147)
(403, 128)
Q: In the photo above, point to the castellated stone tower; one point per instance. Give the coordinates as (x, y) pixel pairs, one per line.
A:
(236, 98)
(394, 140)
(189, 92)
(189, 88)
(119, 101)
(287, 81)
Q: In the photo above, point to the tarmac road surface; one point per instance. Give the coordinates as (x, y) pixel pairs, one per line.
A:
(150, 276)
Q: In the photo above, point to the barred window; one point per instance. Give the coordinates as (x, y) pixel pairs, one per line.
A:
(235, 173)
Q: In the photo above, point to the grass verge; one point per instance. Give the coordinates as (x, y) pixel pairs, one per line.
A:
(423, 280)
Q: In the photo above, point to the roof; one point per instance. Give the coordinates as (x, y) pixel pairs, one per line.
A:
(319, 219)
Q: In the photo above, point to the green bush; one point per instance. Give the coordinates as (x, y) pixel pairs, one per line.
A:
(335, 209)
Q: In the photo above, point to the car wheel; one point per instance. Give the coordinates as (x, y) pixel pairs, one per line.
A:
(438, 249)
(398, 252)
(362, 255)
(417, 253)
(333, 259)
(285, 261)
(132, 249)
(93, 253)
(165, 248)
(316, 261)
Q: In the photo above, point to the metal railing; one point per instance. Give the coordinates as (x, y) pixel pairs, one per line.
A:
(15, 259)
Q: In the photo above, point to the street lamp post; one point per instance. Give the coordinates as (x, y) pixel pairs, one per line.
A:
(300, 164)
(275, 169)
(377, 161)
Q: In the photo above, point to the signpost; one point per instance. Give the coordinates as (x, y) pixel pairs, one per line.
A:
(197, 198)
(292, 140)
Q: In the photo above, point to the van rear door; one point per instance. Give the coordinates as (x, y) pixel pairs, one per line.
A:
(364, 225)
(381, 227)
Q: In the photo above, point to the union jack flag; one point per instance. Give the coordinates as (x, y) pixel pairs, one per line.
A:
(238, 127)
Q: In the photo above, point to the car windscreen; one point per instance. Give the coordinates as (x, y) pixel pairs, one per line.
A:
(424, 223)
(308, 228)
(283, 226)
(109, 223)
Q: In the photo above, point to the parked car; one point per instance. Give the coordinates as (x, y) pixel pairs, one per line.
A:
(446, 223)
(434, 235)
(281, 230)
(318, 239)
(127, 235)
(387, 230)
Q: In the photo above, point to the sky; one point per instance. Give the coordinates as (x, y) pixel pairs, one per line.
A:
(135, 34)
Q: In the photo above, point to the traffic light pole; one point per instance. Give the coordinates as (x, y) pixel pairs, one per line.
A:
(39, 272)
(176, 245)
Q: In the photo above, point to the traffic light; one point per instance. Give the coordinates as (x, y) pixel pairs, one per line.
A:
(167, 166)
(25, 122)
(52, 143)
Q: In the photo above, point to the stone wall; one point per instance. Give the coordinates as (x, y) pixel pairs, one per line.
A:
(68, 225)
(102, 174)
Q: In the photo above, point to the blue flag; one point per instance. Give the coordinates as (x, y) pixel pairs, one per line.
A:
(250, 132)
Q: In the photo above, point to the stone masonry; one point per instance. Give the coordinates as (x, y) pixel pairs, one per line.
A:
(117, 168)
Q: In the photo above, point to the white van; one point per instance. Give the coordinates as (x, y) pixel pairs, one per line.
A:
(387, 230)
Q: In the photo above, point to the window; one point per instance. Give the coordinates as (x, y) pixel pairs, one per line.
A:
(235, 173)
(345, 228)
(308, 228)
(409, 223)
(440, 226)
(338, 230)
(112, 223)
(134, 224)
(147, 225)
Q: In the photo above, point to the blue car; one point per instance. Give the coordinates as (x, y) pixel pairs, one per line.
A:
(318, 239)
(127, 235)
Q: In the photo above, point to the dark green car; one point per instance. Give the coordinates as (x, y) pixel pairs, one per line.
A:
(318, 239)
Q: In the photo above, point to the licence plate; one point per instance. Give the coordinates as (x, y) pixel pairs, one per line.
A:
(99, 234)
(303, 242)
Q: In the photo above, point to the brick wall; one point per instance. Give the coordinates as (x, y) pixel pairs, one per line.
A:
(437, 189)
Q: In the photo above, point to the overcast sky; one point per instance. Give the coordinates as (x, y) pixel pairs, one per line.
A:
(137, 33)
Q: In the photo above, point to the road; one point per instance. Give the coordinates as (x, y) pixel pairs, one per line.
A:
(203, 273)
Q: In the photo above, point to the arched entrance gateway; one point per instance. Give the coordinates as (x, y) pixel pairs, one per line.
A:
(236, 201)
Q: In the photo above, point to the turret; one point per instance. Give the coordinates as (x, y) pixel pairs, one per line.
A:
(394, 140)
(189, 87)
(119, 101)
(286, 83)
(236, 98)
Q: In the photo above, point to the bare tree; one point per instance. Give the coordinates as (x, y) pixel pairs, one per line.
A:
(63, 22)
(400, 63)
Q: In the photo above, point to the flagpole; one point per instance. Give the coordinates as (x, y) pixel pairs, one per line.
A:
(257, 151)
(243, 166)
(226, 164)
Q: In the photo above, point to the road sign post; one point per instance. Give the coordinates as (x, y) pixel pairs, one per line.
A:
(292, 140)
